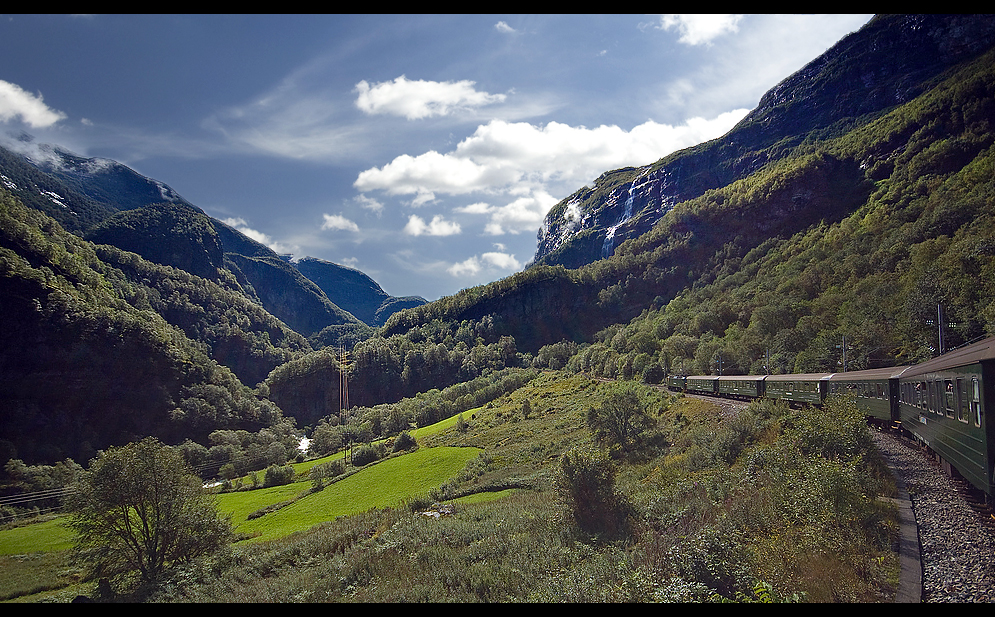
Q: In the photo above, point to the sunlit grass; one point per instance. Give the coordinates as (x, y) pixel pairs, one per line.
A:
(385, 484)
(46, 536)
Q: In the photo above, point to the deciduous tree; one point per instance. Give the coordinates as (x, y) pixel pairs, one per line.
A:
(140, 508)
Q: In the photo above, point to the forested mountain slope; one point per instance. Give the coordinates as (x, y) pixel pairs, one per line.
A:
(888, 62)
(87, 359)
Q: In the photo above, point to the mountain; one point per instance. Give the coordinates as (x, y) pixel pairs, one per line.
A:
(355, 291)
(888, 62)
(100, 347)
(707, 211)
(110, 203)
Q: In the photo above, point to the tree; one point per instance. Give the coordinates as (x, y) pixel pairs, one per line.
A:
(622, 419)
(139, 507)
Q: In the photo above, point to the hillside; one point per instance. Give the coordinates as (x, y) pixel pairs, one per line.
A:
(889, 62)
(354, 291)
(88, 361)
(820, 182)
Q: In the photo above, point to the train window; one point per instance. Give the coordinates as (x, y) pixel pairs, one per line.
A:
(931, 387)
(962, 400)
(976, 402)
(948, 387)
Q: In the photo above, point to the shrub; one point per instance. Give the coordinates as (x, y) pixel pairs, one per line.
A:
(622, 419)
(364, 455)
(320, 474)
(587, 483)
(404, 441)
(277, 475)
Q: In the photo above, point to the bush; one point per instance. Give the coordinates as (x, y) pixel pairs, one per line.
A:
(587, 483)
(363, 455)
(320, 474)
(278, 475)
(623, 419)
(140, 508)
(404, 441)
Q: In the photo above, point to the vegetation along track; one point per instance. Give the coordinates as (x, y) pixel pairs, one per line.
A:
(951, 537)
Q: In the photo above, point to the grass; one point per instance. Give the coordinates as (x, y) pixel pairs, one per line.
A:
(387, 483)
(45, 536)
(728, 503)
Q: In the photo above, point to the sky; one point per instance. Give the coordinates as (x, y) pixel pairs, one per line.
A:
(424, 150)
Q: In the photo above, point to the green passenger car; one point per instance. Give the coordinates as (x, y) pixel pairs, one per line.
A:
(943, 404)
(741, 386)
(702, 384)
(800, 388)
(875, 391)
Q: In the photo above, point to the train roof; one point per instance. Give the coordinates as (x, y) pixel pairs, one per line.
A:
(890, 372)
(799, 377)
(741, 377)
(963, 356)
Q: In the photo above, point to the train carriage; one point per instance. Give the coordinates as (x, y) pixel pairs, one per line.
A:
(676, 382)
(799, 388)
(943, 403)
(702, 384)
(875, 391)
(741, 386)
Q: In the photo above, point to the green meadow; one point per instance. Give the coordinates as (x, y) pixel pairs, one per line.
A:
(387, 483)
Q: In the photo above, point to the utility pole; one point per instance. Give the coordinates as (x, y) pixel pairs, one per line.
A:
(343, 380)
(939, 327)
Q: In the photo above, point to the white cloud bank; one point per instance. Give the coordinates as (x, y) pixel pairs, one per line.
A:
(17, 102)
(416, 99)
(524, 162)
(241, 225)
(337, 221)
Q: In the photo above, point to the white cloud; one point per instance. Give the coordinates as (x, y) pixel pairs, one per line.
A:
(291, 121)
(532, 163)
(502, 26)
(438, 227)
(421, 99)
(337, 221)
(495, 261)
(524, 214)
(700, 29)
(501, 260)
(369, 203)
(241, 225)
(15, 101)
(476, 208)
(471, 266)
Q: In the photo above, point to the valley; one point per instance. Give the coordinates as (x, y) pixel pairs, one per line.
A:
(833, 225)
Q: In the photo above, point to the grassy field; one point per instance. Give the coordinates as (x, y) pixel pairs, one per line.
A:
(388, 483)
(33, 557)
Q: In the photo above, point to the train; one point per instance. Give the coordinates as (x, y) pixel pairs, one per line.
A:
(943, 403)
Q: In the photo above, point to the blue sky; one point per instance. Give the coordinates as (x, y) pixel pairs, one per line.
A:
(423, 150)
